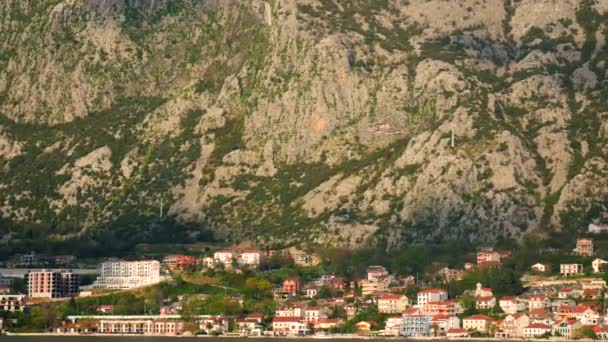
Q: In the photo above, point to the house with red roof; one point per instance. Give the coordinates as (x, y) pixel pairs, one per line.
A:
(392, 303)
(481, 291)
(289, 326)
(479, 323)
(412, 311)
(328, 323)
(365, 326)
(591, 294)
(539, 314)
(512, 326)
(457, 333)
(536, 330)
(485, 303)
(568, 292)
(586, 315)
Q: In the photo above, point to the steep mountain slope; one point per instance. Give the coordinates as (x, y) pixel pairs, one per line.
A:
(339, 122)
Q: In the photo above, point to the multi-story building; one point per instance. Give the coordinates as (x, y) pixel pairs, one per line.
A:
(128, 274)
(313, 314)
(480, 323)
(442, 323)
(292, 285)
(27, 259)
(141, 326)
(485, 303)
(224, 257)
(584, 246)
(392, 303)
(512, 326)
(488, 258)
(431, 295)
(416, 326)
(12, 302)
(289, 326)
(251, 258)
(393, 325)
(536, 330)
(449, 274)
(444, 307)
(52, 284)
(369, 287)
(376, 273)
(570, 269)
(63, 260)
(179, 261)
(566, 328)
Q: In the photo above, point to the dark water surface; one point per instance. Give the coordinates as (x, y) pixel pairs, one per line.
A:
(161, 339)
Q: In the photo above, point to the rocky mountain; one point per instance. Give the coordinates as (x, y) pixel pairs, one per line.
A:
(280, 121)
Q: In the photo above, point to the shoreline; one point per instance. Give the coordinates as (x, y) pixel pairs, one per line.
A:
(309, 337)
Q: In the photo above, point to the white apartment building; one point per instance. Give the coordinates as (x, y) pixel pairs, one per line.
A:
(251, 258)
(128, 274)
(570, 269)
(431, 295)
(223, 257)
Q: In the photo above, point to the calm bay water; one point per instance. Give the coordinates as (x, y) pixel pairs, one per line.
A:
(156, 339)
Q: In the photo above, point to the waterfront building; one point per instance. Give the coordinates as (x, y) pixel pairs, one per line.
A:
(416, 326)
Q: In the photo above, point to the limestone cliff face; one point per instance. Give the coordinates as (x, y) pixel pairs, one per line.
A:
(338, 122)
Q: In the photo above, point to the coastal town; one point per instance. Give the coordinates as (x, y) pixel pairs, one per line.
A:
(244, 291)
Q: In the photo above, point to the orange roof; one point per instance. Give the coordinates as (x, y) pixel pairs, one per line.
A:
(485, 299)
(456, 331)
(538, 312)
(411, 311)
(440, 317)
(581, 309)
(508, 298)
